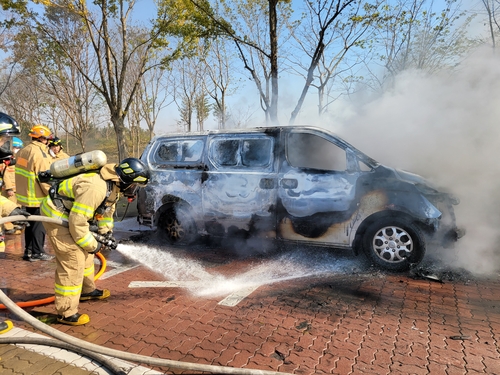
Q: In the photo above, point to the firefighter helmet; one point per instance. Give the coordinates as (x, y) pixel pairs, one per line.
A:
(17, 143)
(55, 142)
(132, 171)
(8, 126)
(38, 131)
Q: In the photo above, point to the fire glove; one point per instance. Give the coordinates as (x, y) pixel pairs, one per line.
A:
(20, 211)
(97, 249)
(106, 241)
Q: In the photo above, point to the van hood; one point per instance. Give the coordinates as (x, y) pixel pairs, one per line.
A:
(421, 184)
(411, 177)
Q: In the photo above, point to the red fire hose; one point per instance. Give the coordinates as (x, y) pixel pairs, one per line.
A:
(50, 299)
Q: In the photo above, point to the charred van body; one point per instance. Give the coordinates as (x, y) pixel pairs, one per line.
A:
(292, 183)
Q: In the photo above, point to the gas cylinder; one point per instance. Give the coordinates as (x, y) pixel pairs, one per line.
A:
(77, 164)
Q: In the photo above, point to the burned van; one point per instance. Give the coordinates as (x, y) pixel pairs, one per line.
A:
(296, 183)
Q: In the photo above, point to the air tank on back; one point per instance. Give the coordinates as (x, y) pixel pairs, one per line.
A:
(77, 164)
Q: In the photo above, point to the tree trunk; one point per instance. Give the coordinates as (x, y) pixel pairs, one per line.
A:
(273, 21)
(121, 139)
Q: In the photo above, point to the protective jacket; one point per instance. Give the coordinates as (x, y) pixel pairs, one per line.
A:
(84, 200)
(9, 178)
(6, 206)
(60, 155)
(31, 160)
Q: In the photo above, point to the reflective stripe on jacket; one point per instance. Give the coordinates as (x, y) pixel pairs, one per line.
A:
(31, 160)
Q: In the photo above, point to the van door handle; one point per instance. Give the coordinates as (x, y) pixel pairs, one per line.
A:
(267, 183)
(289, 183)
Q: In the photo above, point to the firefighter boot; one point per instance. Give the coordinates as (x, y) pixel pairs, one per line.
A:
(2, 247)
(74, 320)
(6, 326)
(95, 294)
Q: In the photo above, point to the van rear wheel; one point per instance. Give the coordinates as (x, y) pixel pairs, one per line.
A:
(394, 243)
(176, 225)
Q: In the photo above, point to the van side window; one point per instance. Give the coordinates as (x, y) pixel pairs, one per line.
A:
(179, 151)
(168, 152)
(226, 152)
(256, 152)
(192, 150)
(311, 151)
(245, 151)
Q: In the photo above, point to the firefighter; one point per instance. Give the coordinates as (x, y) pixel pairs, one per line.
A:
(56, 149)
(30, 191)
(7, 207)
(87, 201)
(9, 176)
(8, 128)
(9, 182)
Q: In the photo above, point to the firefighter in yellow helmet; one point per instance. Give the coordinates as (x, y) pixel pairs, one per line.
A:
(87, 201)
(30, 191)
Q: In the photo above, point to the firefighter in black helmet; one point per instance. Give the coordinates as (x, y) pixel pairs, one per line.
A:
(56, 149)
(133, 173)
(87, 201)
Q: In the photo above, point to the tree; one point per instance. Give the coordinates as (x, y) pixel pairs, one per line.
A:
(190, 92)
(414, 36)
(255, 27)
(115, 45)
(202, 110)
(330, 29)
(25, 101)
(492, 8)
(220, 73)
(72, 92)
(154, 94)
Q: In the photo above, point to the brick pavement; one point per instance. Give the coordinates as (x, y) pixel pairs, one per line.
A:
(354, 322)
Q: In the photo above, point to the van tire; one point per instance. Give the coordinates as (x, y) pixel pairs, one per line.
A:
(177, 226)
(394, 243)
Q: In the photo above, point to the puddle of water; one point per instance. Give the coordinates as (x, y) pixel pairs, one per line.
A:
(288, 266)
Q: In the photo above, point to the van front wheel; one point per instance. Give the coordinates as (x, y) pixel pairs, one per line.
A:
(394, 243)
(176, 225)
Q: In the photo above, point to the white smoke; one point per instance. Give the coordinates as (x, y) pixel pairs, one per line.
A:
(445, 127)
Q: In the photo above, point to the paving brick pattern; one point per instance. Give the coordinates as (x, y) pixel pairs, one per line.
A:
(358, 323)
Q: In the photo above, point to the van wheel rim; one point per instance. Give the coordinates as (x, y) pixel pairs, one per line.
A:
(392, 244)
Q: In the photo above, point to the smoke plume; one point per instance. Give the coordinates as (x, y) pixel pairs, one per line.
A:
(445, 127)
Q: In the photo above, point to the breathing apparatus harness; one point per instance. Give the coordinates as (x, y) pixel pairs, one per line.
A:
(67, 168)
(58, 200)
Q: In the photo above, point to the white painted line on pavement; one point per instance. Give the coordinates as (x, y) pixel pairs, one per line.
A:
(231, 300)
(117, 269)
(163, 284)
(238, 296)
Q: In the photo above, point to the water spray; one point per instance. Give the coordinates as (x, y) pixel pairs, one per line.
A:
(82, 346)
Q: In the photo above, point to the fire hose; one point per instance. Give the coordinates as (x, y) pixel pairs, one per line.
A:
(83, 347)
